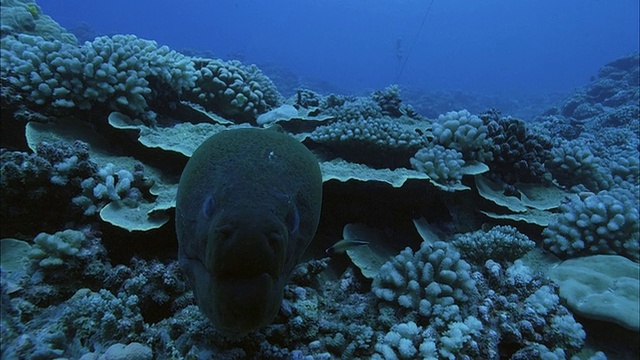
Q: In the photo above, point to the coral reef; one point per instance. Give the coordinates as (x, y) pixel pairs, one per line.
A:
(95, 137)
(433, 283)
(26, 17)
(616, 86)
(531, 313)
(50, 176)
(602, 287)
(573, 163)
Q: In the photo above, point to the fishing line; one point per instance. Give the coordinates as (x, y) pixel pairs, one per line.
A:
(413, 44)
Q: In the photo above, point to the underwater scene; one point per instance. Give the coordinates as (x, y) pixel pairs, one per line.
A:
(315, 180)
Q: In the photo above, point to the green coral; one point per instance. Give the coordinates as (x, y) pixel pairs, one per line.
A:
(34, 10)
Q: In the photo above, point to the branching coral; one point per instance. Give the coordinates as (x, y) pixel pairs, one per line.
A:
(51, 176)
(160, 288)
(433, 283)
(573, 163)
(465, 133)
(101, 317)
(519, 154)
(122, 73)
(528, 311)
(602, 223)
(232, 89)
(60, 263)
(380, 142)
(503, 244)
(440, 164)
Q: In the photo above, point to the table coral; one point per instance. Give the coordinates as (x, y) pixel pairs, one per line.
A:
(602, 287)
(474, 301)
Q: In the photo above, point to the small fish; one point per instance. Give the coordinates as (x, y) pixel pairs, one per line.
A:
(343, 245)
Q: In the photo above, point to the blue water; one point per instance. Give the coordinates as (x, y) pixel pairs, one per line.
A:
(491, 47)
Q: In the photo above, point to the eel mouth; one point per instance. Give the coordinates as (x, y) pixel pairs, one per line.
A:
(240, 266)
(247, 303)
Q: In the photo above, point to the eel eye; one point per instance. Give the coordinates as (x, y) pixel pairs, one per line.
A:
(208, 206)
(293, 220)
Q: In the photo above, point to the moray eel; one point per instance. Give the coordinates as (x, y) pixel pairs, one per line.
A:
(248, 204)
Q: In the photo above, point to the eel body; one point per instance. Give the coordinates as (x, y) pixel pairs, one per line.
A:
(247, 206)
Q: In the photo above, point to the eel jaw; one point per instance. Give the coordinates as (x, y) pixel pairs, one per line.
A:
(246, 265)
